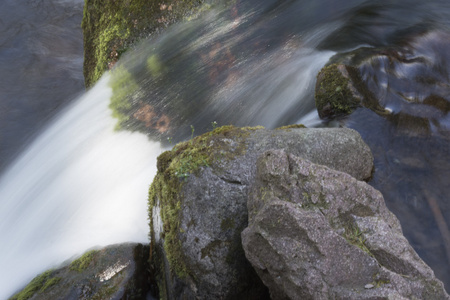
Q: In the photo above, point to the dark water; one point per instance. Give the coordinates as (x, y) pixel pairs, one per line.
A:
(255, 64)
(41, 57)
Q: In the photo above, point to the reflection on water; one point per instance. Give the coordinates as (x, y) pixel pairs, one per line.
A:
(255, 64)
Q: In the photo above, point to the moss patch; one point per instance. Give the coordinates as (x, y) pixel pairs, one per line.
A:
(111, 27)
(227, 224)
(83, 262)
(49, 283)
(355, 237)
(333, 95)
(308, 203)
(123, 86)
(174, 169)
(293, 126)
(39, 284)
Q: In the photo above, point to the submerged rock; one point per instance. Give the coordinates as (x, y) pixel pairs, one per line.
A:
(317, 233)
(198, 204)
(340, 90)
(407, 83)
(115, 272)
(336, 92)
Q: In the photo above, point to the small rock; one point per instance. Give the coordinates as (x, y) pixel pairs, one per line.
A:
(114, 272)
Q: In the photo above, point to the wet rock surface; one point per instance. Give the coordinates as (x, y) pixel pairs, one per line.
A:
(406, 82)
(317, 233)
(115, 272)
(197, 216)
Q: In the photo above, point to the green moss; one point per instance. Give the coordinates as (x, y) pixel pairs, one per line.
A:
(105, 292)
(227, 224)
(111, 27)
(293, 126)
(123, 86)
(333, 95)
(381, 282)
(154, 65)
(355, 237)
(83, 262)
(49, 283)
(174, 167)
(203, 150)
(38, 284)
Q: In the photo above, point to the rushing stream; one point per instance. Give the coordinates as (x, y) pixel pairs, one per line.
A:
(79, 184)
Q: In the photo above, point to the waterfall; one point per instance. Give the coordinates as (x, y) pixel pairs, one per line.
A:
(78, 185)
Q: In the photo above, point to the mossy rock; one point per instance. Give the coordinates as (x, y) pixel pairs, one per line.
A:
(198, 204)
(111, 27)
(39, 284)
(335, 94)
(114, 272)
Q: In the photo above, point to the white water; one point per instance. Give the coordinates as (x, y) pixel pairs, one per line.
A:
(78, 185)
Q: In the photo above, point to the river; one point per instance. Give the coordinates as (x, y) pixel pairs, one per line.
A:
(69, 182)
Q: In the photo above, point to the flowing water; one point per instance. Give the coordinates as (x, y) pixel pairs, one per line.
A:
(79, 184)
(68, 192)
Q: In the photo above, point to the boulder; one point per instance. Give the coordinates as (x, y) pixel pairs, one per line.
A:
(198, 204)
(318, 233)
(114, 272)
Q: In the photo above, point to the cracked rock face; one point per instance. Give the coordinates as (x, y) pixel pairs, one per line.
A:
(317, 233)
(213, 210)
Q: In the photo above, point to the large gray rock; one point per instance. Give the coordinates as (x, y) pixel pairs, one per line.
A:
(317, 233)
(114, 272)
(198, 204)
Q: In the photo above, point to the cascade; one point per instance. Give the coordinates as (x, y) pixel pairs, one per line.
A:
(77, 186)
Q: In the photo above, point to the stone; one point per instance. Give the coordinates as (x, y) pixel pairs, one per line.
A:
(386, 80)
(114, 272)
(318, 233)
(198, 204)
(335, 92)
